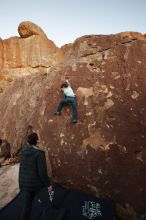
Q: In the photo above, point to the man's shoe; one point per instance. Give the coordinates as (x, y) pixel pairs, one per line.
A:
(74, 121)
(57, 113)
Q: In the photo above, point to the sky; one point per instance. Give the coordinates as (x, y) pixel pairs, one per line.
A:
(64, 21)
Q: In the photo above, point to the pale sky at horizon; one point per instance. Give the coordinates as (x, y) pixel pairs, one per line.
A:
(63, 21)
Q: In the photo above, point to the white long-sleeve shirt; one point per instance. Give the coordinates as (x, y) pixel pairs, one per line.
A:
(68, 91)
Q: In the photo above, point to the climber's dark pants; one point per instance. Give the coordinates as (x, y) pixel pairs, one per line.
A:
(68, 100)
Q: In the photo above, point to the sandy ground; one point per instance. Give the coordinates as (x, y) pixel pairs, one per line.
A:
(8, 183)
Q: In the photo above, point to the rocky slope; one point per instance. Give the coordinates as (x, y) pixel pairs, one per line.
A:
(8, 183)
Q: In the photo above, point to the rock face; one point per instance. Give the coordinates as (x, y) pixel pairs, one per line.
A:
(104, 153)
(31, 53)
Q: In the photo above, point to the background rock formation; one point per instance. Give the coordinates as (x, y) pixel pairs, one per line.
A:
(31, 53)
(104, 153)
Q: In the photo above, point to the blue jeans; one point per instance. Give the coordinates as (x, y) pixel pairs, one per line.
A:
(68, 100)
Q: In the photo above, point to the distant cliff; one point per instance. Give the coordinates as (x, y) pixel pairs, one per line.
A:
(105, 152)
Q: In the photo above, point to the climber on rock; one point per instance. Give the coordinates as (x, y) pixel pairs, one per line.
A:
(69, 98)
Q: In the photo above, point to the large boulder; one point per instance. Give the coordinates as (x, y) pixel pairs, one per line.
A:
(104, 153)
(27, 29)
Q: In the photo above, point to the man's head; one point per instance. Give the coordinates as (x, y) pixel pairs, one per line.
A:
(32, 138)
(64, 85)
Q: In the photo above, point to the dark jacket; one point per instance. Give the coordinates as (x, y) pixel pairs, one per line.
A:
(33, 170)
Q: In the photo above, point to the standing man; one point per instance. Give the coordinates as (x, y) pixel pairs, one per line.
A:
(32, 173)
